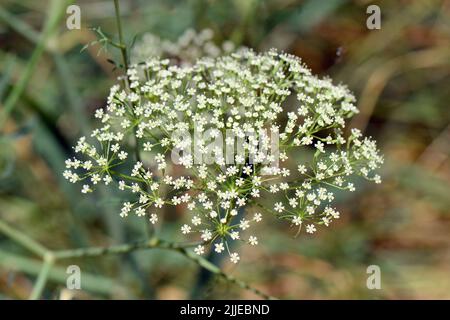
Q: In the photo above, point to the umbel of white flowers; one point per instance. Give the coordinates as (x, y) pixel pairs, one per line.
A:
(242, 92)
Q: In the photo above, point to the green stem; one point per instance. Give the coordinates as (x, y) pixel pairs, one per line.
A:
(120, 249)
(122, 46)
(123, 50)
(50, 257)
(202, 262)
(23, 240)
(42, 277)
(58, 274)
(55, 14)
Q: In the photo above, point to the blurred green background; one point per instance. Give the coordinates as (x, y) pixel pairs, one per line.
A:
(400, 75)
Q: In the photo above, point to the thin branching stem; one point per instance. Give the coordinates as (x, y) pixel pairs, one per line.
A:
(41, 280)
(23, 240)
(50, 257)
(121, 249)
(202, 262)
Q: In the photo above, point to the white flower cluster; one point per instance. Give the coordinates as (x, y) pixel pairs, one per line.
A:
(242, 92)
(189, 47)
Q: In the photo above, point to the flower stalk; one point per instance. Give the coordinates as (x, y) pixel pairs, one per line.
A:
(121, 45)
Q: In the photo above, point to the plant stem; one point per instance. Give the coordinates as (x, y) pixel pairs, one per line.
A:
(58, 274)
(23, 240)
(212, 268)
(50, 257)
(120, 249)
(42, 277)
(122, 46)
(160, 244)
(56, 10)
(123, 50)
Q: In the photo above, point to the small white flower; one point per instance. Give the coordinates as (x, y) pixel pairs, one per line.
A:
(297, 220)
(126, 208)
(213, 214)
(302, 169)
(244, 224)
(107, 180)
(199, 250)
(95, 178)
(153, 218)
(377, 179)
(147, 146)
(253, 240)
(86, 189)
(140, 211)
(310, 228)
(159, 203)
(122, 155)
(234, 257)
(99, 113)
(115, 147)
(319, 146)
(196, 220)
(279, 207)
(219, 247)
(135, 188)
(206, 235)
(185, 229)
